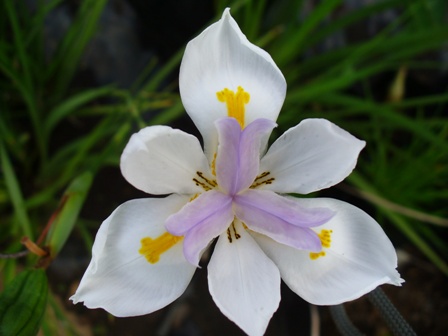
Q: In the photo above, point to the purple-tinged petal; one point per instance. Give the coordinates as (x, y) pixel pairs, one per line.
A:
(279, 230)
(285, 208)
(281, 218)
(238, 156)
(252, 138)
(197, 210)
(229, 134)
(201, 220)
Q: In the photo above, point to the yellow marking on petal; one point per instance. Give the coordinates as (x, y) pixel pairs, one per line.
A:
(325, 239)
(153, 248)
(314, 255)
(194, 197)
(213, 165)
(235, 103)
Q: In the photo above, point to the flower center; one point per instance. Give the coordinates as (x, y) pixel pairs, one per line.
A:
(235, 103)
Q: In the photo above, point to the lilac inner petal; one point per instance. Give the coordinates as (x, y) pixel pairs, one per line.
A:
(200, 221)
(280, 218)
(249, 151)
(227, 160)
(208, 205)
(199, 237)
(238, 156)
(287, 209)
(277, 229)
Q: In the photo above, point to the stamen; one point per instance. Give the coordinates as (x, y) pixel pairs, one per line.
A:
(259, 180)
(153, 248)
(212, 183)
(204, 182)
(235, 233)
(325, 239)
(229, 235)
(203, 185)
(261, 176)
(235, 103)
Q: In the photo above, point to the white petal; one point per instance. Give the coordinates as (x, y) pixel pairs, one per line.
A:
(162, 160)
(222, 57)
(244, 282)
(359, 259)
(119, 279)
(311, 156)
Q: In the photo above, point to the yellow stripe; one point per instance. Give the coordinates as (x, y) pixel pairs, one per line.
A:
(235, 103)
(152, 248)
(325, 239)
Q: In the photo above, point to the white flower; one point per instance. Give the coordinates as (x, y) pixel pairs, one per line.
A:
(325, 250)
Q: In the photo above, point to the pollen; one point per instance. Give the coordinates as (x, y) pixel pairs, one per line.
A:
(153, 248)
(235, 103)
(325, 239)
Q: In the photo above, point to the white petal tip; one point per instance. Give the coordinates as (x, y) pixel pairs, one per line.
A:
(396, 280)
(74, 299)
(226, 13)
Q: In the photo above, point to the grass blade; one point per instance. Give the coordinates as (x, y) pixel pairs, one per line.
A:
(15, 193)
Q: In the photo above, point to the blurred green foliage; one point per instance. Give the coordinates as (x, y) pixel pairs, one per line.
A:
(22, 303)
(401, 176)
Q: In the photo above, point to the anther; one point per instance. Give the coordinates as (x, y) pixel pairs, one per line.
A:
(237, 235)
(229, 235)
(259, 180)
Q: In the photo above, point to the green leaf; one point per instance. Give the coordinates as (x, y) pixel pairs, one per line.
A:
(74, 43)
(296, 39)
(70, 105)
(15, 193)
(22, 304)
(72, 202)
(26, 77)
